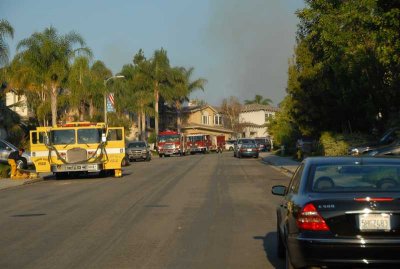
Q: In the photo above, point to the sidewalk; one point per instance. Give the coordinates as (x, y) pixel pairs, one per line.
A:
(6, 183)
(286, 164)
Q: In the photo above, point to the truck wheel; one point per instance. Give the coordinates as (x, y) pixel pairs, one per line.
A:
(160, 155)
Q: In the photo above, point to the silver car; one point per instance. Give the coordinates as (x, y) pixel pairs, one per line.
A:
(6, 148)
(138, 150)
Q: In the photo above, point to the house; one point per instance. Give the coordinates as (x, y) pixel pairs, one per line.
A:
(18, 104)
(204, 119)
(254, 119)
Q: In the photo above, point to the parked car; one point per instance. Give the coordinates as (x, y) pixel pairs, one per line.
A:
(248, 150)
(6, 148)
(239, 142)
(340, 211)
(392, 149)
(138, 150)
(264, 144)
(387, 138)
(229, 145)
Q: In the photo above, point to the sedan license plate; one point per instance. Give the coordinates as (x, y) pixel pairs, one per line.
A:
(249, 149)
(374, 222)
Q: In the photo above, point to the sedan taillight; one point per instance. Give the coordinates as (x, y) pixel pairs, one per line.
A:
(309, 219)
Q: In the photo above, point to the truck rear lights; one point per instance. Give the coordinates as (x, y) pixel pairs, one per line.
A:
(310, 220)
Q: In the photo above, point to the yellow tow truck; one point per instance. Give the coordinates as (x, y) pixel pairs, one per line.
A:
(78, 148)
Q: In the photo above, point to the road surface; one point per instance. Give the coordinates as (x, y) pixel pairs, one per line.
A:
(200, 211)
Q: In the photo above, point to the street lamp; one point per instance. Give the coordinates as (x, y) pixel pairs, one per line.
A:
(105, 95)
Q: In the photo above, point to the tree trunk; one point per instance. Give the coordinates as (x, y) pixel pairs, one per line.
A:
(143, 130)
(91, 108)
(53, 95)
(138, 125)
(178, 116)
(82, 111)
(156, 98)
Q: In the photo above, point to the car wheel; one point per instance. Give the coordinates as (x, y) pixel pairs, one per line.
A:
(257, 156)
(239, 155)
(288, 262)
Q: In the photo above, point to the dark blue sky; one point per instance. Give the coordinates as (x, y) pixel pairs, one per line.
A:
(241, 46)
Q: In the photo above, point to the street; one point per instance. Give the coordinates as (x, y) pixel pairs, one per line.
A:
(200, 211)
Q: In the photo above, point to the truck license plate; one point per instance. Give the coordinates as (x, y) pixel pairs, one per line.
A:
(374, 222)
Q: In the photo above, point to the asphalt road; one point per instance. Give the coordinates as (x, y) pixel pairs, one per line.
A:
(200, 211)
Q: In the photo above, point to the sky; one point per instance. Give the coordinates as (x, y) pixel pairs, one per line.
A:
(241, 47)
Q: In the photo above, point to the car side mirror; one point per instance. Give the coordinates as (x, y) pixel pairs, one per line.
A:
(279, 190)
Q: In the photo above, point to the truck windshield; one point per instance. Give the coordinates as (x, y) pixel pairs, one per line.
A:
(168, 138)
(62, 137)
(195, 138)
(89, 136)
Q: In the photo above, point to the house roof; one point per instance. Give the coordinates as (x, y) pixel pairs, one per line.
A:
(191, 109)
(257, 107)
(206, 127)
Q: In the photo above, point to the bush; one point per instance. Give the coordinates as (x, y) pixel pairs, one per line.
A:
(4, 170)
(332, 144)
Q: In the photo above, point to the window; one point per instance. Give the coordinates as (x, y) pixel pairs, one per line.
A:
(62, 137)
(355, 178)
(217, 119)
(268, 116)
(205, 118)
(114, 134)
(86, 136)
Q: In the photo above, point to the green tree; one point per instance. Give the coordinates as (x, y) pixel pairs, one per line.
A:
(158, 72)
(345, 73)
(184, 85)
(138, 91)
(259, 99)
(6, 30)
(46, 56)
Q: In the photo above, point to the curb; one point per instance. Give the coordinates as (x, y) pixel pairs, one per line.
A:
(33, 181)
(281, 168)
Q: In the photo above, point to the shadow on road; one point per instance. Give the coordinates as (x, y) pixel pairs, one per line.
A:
(269, 244)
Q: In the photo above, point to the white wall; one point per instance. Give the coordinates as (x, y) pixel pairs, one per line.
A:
(12, 98)
(257, 117)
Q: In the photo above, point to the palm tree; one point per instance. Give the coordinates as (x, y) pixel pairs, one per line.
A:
(158, 72)
(47, 56)
(259, 99)
(99, 72)
(184, 86)
(139, 94)
(5, 30)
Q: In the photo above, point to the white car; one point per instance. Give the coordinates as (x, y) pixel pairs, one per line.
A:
(230, 145)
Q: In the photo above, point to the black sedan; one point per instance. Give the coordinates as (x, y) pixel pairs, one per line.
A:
(341, 212)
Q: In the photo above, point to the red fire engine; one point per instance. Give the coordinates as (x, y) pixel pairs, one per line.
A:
(171, 143)
(199, 143)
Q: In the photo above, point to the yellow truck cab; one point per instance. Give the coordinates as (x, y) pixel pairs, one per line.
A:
(78, 147)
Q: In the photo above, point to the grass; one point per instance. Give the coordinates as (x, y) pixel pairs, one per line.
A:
(4, 170)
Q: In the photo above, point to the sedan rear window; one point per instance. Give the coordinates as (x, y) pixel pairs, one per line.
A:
(355, 178)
